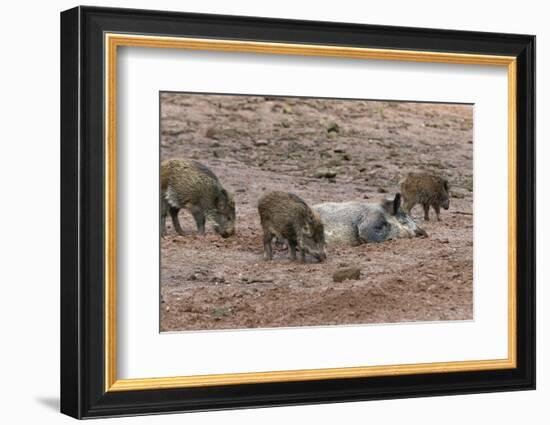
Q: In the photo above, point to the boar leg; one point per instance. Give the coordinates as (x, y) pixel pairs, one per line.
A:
(437, 210)
(408, 206)
(302, 254)
(163, 214)
(200, 219)
(426, 212)
(175, 220)
(268, 254)
(292, 249)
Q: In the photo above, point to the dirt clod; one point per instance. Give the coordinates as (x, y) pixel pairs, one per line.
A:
(349, 273)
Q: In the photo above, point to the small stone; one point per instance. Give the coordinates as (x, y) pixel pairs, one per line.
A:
(325, 173)
(211, 133)
(261, 142)
(218, 278)
(381, 190)
(457, 194)
(348, 273)
(333, 128)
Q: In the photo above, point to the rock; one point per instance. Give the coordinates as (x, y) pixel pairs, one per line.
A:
(211, 133)
(333, 128)
(339, 149)
(261, 280)
(218, 278)
(261, 142)
(325, 173)
(381, 190)
(348, 273)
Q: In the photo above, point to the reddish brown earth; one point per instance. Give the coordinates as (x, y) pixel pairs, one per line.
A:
(258, 144)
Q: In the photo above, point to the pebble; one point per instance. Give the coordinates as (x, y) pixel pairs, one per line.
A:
(351, 273)
(333, 128)
(325, 173)
(218, 278)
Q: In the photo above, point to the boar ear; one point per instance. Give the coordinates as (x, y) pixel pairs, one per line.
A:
(221, 198)
(308, 226)
(396, 203)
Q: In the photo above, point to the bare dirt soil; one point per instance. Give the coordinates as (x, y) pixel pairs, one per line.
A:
(257, 144)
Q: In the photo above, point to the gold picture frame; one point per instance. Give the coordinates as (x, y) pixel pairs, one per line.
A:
(114, 41)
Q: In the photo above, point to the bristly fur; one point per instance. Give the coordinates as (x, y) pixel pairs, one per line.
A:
(287, 216)
(354, 223)
(193, 186)
(425, 189)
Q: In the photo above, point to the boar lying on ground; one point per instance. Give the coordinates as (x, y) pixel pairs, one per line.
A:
(191, 185)
(354, 223)
(427, 190)
(286, 216)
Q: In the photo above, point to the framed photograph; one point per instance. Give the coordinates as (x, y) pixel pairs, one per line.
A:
(261, 212)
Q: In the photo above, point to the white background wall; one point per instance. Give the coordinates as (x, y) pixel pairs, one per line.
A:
(29, 212)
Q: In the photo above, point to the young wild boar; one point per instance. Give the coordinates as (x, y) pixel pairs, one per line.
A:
(427, 190)
(355, 223)
(286, 216)
(191, 185)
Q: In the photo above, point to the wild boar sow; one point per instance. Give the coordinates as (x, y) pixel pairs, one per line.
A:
(355, 223)
(286, 216)
(192, 186)
(427, 190)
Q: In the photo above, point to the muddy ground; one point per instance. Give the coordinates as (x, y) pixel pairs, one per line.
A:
(259, 144)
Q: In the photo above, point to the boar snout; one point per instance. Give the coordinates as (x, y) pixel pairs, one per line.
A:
(321, 257)
(420, 232)
(225, 233)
